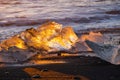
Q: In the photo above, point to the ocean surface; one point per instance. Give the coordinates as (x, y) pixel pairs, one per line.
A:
(17, 15)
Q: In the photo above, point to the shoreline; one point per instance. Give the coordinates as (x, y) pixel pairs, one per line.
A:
(85, 68)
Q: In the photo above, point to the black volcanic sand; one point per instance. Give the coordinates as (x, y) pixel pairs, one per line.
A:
(82, 68)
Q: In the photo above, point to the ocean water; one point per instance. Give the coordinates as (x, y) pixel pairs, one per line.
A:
(17, 15)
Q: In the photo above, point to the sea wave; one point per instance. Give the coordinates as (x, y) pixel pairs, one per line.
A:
(33, 12)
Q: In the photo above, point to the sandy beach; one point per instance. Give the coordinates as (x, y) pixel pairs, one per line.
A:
(79, 68)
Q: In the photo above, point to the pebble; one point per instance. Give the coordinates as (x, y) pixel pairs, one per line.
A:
(36, 76)
(22, 79)
(112, 78)
(99, 62)
(44, 70)
(6, 72)
(77, 78)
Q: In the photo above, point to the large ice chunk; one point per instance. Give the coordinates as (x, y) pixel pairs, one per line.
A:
(46, 38)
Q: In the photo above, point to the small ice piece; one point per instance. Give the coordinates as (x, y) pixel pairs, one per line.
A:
(14, 54)
(108, 52)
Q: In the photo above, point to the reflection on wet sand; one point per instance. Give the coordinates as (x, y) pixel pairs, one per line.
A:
(84, 68)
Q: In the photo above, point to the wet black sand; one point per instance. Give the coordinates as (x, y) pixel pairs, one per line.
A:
(79, 68)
